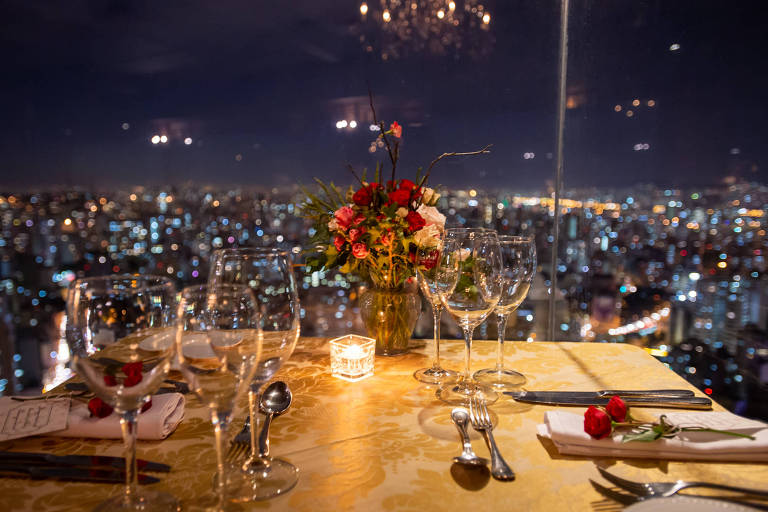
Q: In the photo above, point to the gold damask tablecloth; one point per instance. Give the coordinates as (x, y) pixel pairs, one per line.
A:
(386, 443)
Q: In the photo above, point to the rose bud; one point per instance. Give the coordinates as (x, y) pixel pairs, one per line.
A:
(146, 406)
(99, 408)
(617, 409)
(597, 423)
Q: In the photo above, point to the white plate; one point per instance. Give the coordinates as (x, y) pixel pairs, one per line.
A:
(686, 504)
(197, 346)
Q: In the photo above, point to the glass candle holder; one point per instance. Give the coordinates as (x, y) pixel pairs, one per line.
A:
(352, 357)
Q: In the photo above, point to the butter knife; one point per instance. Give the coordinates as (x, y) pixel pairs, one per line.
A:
(111, 476)
(580, 398)
(83, 461)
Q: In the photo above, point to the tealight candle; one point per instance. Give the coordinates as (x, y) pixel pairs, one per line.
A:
(352, 357)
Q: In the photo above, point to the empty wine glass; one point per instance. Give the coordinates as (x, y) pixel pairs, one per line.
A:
(471, 300)
(218, 348)
(119, 333)
(432, 277)
(519, 257)
(268, 273)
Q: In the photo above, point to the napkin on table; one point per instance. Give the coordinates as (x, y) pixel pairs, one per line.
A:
(156, 423)
(566, 430)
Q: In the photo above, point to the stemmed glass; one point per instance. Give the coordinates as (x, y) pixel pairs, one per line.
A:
(268, 273)
(218, 347)
(471, 300)
(519, 257)
(432, 277)
(109, 319)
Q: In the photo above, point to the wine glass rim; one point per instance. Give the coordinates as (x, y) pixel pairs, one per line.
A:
(259, 251)
(515, 238)
(152, 282)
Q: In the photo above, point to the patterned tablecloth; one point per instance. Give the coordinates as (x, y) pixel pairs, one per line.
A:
(386, 443)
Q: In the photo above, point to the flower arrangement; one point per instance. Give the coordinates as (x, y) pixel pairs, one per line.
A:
(600, 422)
(375, 229)
(380, 230)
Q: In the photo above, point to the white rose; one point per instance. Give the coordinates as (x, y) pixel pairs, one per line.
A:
(428, 236)
(426, 195)
(432, 216)
(333, 225)
(402, 212)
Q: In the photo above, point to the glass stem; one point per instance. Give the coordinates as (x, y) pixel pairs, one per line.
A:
(501, 322)
(437, 311)
(254, 394)
(219, 421)
(128, 428)
(466, 377)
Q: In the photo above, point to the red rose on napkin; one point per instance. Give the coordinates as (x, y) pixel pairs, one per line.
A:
(597, 423)
(617, 409)
(110, 380)
(147, 405)
(98, 408)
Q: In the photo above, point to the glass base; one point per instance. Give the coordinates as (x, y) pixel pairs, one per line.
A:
(500, 379)
(261, 480)
(435, 375)
(144, 500)
(460, 394)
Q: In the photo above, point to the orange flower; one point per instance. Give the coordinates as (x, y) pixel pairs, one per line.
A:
(396, 130)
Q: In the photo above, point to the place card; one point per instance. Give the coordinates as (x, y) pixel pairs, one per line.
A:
(32, 417)
(352, 357)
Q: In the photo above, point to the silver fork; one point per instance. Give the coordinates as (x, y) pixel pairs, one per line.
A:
(665, 489)
(241, 443)
(481, 421)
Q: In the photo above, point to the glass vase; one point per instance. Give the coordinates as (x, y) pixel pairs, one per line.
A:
(390, 316)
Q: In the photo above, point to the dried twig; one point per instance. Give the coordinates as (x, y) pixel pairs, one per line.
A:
(352, 170)
(468, 153)
(381, 126)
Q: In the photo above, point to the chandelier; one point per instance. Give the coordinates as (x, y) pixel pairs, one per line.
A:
(394, 29)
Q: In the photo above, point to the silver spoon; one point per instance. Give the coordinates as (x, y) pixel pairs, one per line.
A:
(274, 401)
(460, 418)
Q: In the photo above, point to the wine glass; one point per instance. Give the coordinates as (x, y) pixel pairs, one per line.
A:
(218, 348)
(119, 332)
(519, 257)
(432, 277)
(268, 273)
(471, 300)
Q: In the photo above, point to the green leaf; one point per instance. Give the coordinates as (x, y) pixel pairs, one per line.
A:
(645, 436)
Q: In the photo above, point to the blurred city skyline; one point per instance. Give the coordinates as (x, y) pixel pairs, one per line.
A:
(252, 93)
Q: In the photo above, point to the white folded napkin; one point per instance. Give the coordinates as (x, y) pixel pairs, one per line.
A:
(156, 423)
(566, 430)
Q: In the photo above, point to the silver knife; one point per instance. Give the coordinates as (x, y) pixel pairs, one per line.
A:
(581, 398)
(673, 393)
(85, 461)
(111, 476)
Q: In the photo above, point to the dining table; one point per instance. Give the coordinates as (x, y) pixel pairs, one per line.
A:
(387, 443)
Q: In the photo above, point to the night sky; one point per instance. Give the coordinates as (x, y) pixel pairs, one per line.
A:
(269, 80)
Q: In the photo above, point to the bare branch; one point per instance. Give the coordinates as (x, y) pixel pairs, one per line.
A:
(468, 153)
(376, 121)
(352, 170)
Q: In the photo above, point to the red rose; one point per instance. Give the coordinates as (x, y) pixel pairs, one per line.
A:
(110, 380)
(344, 216)
(360, 251)
(133, 368)
(355, 234)
(362, 197)
(98, 408)
(415, 221)
(357, 220)
(407, 185)
(147, 405)
(396, 130)
(597, 423)
(338, 242)
(430, 260)
(132, 380)
(616, 409)
(400, 196)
